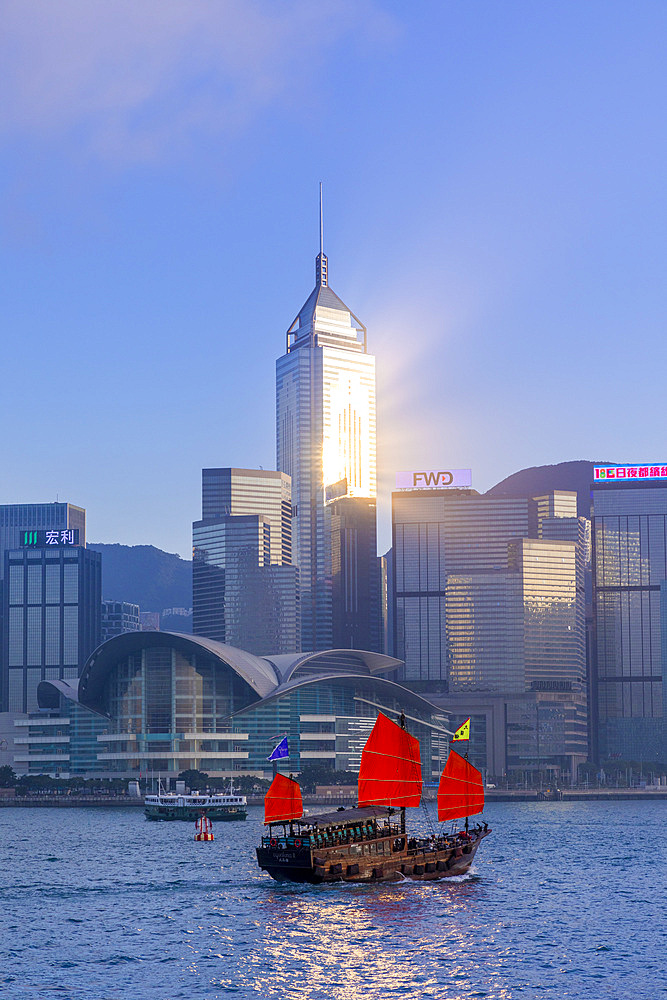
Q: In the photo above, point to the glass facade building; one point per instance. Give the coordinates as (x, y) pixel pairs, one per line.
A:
(238, 597)
(356, 619)
(59, 743)
(119, 617)
(483, 633)
(52, 611)
(438, 533)
(229, 492)
(18, 517)
(244, 586)
(554, 641)
(489, 602)
(164, 703)
(629, 567)
(325, 435)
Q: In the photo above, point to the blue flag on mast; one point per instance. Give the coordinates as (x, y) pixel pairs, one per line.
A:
(280, 751)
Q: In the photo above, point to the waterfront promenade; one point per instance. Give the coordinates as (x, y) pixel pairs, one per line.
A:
(652, 794)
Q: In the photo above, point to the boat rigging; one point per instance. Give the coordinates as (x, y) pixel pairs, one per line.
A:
(370, 843)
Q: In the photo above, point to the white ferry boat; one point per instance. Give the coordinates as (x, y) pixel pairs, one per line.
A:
(190, 806)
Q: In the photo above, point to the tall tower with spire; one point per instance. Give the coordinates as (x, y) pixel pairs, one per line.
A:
(325, 434)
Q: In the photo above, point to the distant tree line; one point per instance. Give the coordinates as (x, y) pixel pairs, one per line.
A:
(28, 784)
(309, 778)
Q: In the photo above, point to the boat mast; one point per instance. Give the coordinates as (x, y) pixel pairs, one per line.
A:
(402, 720)
(465, 758)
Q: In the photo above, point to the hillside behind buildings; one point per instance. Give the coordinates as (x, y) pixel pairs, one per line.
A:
(145, 575)
(534, 482)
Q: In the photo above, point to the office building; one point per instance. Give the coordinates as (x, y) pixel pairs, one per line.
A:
(629, 510)
(51, 610)
(229, 492)
(244, 588)
(15, 518)
(554, 640)
(119, 617)
(437, 533)
(489, 607)
(325, 436)
(356, 619)
(483, 634)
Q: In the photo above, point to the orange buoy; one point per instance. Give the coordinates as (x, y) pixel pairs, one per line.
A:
(203, 828)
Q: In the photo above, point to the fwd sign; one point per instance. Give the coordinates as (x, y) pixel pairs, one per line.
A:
(434, 479)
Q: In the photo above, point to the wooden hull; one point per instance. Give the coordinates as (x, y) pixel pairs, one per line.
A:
(364, 863)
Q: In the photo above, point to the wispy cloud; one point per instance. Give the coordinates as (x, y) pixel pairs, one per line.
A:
(130, 80)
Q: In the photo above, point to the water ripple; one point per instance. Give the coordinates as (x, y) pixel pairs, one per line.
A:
(104, 906)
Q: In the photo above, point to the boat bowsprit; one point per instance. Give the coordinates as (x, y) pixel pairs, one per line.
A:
(370, 843)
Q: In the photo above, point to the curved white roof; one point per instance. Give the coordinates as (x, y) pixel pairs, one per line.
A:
(266, 675)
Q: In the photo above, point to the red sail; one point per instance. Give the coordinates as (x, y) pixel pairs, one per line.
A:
(390, 772)
(282, 801)
(460, 792)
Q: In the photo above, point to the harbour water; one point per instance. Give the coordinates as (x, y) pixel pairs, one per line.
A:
(565, 900)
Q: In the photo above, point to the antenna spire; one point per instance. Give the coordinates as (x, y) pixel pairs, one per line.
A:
(321, 224)
(321, 263)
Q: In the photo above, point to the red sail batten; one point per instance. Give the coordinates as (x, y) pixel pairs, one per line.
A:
(282, 801)
(390, 772)
(460, 792)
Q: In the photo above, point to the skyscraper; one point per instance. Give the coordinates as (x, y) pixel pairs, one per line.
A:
(325, 436)
(244, 587)
(228, 492)
(490, 613)
(439, 533)
(52, 609)
(629, 567)
(355, 575)
(17, 517)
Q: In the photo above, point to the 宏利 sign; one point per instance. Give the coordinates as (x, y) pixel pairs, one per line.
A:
(622, 472)
(51, 537)
(434, 479)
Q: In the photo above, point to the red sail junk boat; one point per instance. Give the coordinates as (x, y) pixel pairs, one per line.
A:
(369, 843)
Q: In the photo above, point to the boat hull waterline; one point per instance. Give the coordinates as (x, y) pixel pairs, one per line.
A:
(286, 862)
(221, 808)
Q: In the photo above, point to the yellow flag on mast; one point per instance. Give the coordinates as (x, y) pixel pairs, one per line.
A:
(463, 732)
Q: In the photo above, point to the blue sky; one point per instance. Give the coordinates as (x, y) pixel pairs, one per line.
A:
(494, 186)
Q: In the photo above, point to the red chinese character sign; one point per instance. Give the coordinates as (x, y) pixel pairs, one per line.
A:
(614, 473)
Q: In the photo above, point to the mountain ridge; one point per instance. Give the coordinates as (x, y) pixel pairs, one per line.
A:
(144, 575)
(575, 476)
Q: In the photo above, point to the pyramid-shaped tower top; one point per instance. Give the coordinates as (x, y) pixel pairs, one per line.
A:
(324, 319)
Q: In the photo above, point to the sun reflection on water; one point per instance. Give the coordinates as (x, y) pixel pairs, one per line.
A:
(350, 941)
